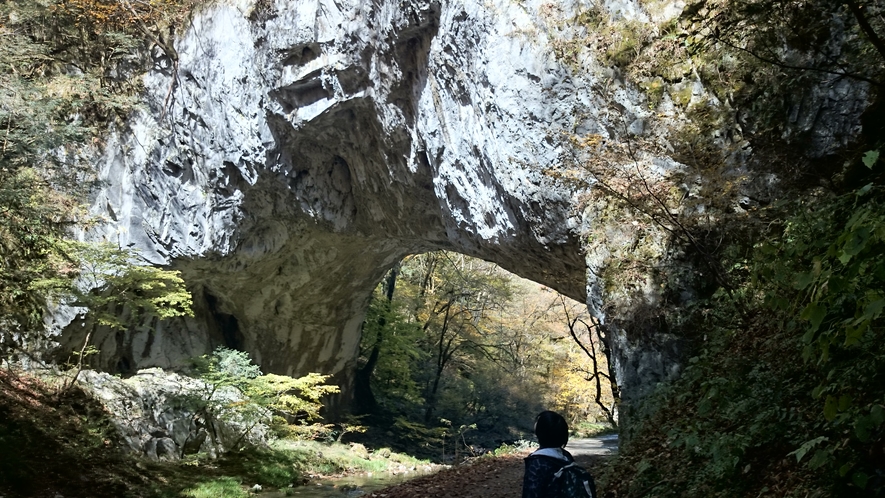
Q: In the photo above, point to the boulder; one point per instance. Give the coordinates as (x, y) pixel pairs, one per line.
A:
(164, 415)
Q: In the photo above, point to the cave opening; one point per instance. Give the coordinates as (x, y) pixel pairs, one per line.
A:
(226, 324)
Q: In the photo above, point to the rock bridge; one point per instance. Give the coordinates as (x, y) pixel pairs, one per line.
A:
(296, 150)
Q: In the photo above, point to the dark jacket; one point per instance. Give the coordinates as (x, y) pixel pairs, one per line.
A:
(539, 470)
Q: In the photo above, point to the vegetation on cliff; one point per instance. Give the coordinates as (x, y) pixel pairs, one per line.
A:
(782, 391)
(65, 76)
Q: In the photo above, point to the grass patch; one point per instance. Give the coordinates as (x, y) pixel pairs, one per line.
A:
(286, 462)
(267, 467)
(592, 429)
(226, 487)
(512, 449)
(335, 459)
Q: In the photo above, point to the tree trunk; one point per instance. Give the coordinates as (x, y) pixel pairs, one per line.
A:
(364, 398)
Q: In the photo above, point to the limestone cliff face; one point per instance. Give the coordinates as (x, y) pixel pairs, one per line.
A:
(297, 149)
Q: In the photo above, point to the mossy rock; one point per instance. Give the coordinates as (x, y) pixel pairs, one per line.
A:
(681, 93)
(359, 450)
(654, 91)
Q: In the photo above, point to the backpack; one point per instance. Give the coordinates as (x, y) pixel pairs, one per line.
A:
(572, 481)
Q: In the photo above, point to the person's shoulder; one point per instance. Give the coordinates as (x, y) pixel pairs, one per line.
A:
(553, 454)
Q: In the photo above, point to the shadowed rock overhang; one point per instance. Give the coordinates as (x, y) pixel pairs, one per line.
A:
(304, 151)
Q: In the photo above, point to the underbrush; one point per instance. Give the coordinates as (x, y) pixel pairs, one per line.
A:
(65, 443)
(282, 465)
(521, 446)
(227, 487)
(726, 427)
(785, 394)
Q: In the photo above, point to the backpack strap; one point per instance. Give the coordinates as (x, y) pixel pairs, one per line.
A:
(587, 488)
(558, 473)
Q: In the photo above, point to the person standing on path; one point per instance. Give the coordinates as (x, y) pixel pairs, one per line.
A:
(552, 432)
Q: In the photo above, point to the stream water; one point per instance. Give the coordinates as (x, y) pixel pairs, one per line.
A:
(350, 486)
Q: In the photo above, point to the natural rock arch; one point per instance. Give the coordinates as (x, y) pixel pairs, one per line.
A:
(296, 150)
(306, 150)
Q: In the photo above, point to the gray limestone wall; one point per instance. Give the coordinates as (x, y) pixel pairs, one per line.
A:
(296, 150)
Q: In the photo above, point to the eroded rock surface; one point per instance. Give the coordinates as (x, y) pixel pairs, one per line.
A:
(165, 416)
(296, 150)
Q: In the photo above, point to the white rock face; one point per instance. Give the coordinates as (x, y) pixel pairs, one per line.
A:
(297, 149)
(296, 153)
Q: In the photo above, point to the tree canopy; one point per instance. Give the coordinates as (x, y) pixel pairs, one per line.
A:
(461, 342)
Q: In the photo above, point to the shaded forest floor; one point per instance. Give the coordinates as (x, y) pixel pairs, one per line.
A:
(487, 478)
(52, 442)
(63, 444)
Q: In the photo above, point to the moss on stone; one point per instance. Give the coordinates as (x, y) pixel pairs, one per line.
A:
(627, 40)
(654, 90)
(681, 93)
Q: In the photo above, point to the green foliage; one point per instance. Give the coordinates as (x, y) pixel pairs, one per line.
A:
(226, 367)
(418, 434)
(351, 425)
(791, 366)
(870, 158)
(258, 395)
(453, 329)
(30, 234)
(276, 467)
(590, 429)
(224, 487)
(289, 395)
(40, 110)
(303, 431)
(835, 272)
(400, 356)
(110, 280)
(519, 447)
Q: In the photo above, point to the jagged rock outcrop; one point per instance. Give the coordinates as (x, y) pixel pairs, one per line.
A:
(296, 150)
(164, 415)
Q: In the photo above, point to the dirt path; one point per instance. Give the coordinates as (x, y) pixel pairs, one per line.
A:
(493, 477)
